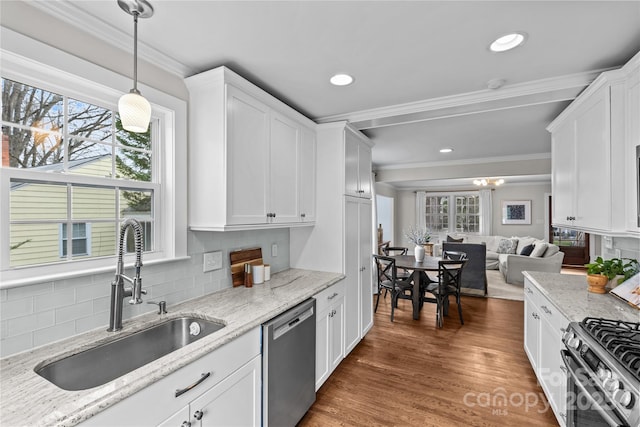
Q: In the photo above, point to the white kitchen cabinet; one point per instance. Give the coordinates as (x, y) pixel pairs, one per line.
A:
(357, 165)
(251, 159)
(591, 141)
(341, 240)
(632, 147)
(544, 326)
(232, 387)
(329, 331)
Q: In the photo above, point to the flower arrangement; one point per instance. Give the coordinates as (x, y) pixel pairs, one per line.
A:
(418, 236)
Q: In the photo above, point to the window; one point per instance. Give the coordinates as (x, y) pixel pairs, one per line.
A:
(83, 173)
(464, 217)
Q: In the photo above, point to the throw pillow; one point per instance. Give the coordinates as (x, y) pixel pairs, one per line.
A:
(452, 240)
(539, 249)
(507, 246)
(526, 251)
(551, 250)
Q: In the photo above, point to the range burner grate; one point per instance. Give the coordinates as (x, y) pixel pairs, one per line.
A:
(620, 339)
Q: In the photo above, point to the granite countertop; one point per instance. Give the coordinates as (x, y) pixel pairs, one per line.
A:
(28, 399)
(569, 294)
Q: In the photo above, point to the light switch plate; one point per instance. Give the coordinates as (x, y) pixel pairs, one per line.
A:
(274, 250)
(212, 261)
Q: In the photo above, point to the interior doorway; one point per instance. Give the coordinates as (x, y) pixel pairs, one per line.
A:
(384, 212)
(574, 244)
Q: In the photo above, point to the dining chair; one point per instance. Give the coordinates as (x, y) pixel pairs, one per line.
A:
(454, 255)
(388, 281)
(397, 250)
(449, 283)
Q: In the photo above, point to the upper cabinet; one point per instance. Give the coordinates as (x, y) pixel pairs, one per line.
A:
(592, 141)
(357, 157)
(251, 157)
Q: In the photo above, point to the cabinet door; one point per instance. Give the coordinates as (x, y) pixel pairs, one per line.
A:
(550, 368)
(365, 254)
(179, 419)
(364, 170)
(562, 174)
(323, 341)
(632, 180)
(247, 158)
(283, 169)
(531, 329)
(593, 160)
(307, 175)
(336, 336)
(352, 272)
(351, 158)
(235, 401)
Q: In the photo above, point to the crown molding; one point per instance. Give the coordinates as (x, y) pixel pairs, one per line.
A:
(564, 88)
(67, 12)
(484, 160)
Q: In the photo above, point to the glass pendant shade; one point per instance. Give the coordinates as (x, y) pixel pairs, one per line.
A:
(135, 112)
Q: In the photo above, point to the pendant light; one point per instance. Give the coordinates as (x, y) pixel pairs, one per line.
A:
(134, 109)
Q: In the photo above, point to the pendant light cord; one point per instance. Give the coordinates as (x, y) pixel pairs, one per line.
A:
(135, 52)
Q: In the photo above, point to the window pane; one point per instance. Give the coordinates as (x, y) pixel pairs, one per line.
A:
(136, 204)
(133, 164)
(103, 237)
(89, 120)
(34, 244)
(93, 202)
(90, 158)
(40, 112)
(35, 201)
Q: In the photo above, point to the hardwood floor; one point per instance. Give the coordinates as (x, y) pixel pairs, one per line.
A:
(408, 373)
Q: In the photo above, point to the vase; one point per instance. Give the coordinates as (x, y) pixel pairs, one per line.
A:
(597, 283)
(418, 252)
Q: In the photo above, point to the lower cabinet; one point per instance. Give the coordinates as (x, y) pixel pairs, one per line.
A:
(222, 388)
(329, 331)
(543, 329)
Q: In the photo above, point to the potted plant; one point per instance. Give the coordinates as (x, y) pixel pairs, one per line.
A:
(603, 271)
(419, 237)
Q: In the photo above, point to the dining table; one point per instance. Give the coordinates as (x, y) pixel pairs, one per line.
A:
(408, 262)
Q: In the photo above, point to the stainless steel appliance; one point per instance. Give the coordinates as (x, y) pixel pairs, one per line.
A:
(289, 365)
(602, 358)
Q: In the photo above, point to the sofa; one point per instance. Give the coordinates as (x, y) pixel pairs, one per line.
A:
(513, 255)
(474, 273)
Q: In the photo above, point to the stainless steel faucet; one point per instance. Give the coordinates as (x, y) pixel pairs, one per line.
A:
(118, 291)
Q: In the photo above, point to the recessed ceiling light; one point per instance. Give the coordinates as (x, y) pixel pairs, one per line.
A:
(446, 150)
(508, 42)
(341, 80)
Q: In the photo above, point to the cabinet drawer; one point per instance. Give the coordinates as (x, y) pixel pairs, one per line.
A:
(556, 319)
(155, 403)
(532, 293)
(325, 298)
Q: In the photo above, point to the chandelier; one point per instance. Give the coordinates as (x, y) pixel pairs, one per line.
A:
(488, 181)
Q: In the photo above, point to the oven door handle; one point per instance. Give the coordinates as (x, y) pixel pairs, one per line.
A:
(609, 416)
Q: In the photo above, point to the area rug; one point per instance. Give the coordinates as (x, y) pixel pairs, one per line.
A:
(498, 288)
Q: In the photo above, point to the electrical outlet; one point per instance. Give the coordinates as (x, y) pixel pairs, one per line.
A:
(212, 261)
(274, 250)
(618, 253)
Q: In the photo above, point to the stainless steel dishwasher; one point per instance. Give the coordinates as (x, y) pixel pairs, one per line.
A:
(289, 365)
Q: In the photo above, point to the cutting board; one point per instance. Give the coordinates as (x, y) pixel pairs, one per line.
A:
(238, 259)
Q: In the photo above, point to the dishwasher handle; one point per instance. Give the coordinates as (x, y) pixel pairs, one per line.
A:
(292, 323)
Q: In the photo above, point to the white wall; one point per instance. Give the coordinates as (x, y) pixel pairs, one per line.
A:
(406, 210)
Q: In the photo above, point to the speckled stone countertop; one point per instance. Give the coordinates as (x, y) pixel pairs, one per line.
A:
(568, 292)
(26, 399)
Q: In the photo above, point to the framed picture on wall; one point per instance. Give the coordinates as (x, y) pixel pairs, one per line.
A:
(516, 211)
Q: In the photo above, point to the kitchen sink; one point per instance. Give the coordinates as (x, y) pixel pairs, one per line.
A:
(106, 362)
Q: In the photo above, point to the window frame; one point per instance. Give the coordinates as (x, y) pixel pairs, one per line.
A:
(451, 195)
(80, 79)
(64, 245)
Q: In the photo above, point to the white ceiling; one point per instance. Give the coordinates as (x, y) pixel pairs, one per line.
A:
(421, 67)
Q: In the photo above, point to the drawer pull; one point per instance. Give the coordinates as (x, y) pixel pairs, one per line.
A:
(529, 290)
(180, 392)
(335, 294)
(546, 310)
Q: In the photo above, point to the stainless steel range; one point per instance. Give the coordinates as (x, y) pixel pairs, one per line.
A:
(602, 357)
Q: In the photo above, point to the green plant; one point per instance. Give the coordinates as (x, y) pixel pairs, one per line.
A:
(625, 267)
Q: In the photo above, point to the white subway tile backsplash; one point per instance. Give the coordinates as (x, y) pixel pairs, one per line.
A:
(16, 344)
(73, 312)
(54, 333)
(16, 308)
(42, 313)
(61, 298)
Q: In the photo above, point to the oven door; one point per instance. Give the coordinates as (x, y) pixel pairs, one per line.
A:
(586, 403)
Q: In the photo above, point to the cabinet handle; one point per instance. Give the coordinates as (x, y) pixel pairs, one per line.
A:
(563, 415)
(563, 330)
(198, 415)
(529, 290)
(563, 368)
(335, 294)
(546, 310)
(186, 424)
(180, 392)
(302, 215)
(331, 314)
(535, 315)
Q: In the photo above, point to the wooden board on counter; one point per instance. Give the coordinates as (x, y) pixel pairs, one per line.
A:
(238, 259)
